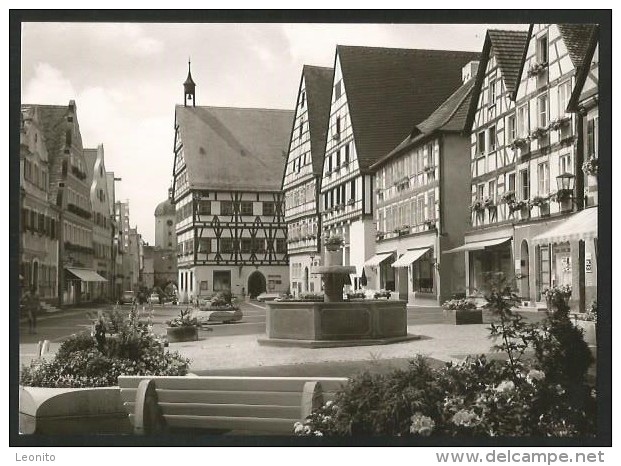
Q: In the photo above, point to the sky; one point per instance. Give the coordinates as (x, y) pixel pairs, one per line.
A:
(126, 79)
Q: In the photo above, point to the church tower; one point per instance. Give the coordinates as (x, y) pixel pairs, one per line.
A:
(189, 89)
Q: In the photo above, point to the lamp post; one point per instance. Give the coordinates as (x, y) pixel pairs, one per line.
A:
(565, 183)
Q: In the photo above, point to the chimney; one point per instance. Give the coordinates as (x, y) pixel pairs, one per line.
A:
(469, 71)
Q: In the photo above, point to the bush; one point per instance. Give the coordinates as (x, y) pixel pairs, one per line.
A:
(97, 360)
(184, 319)
(541, 396)
(460, 305)
(222, 299)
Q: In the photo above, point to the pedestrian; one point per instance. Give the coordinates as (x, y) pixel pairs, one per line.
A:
(33, 304)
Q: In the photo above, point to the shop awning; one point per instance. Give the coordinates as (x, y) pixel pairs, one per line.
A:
(479, 245)
(410, 256)
(377, 259)
(580, 226)
(86, 275)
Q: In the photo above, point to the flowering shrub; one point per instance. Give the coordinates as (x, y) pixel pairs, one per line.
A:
(557, 124)
(460, 305)
(222, 299)
(517, 205)
(538, 133)
(96, 360)
(544, 396)
(184, 319)
(489, 202)
(518, 143)
(536, 68)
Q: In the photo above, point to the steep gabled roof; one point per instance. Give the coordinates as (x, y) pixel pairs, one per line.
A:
(234, 148)
(581, 41)
(509, 48)
(449, 116)
(53, 119)
(577, 39)
(318, 81)
(391, 90)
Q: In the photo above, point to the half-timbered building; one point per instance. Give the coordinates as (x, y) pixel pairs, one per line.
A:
(302, 177)
(526, 160)
(496, 141)
(231, 231)
(421, 205)
(378, 96)
(571, 245)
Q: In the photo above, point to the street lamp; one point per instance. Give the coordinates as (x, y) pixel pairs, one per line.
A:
(565, 182)
(565, 190)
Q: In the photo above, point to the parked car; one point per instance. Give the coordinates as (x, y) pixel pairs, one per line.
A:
(127, 297)
(154, 298)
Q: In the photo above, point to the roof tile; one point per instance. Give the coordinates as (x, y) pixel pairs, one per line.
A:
(389, 91)
(234, 148)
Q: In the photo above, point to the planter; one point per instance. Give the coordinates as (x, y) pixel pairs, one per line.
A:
(458, 317)
(178, 334)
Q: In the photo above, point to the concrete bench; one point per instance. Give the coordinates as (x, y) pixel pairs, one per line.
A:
(251, 405)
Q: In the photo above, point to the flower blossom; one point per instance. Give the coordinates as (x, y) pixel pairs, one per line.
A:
(505, 386)
(421, 425)
(535, 375)
(465, 418)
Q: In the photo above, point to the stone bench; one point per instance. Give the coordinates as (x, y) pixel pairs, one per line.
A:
(251, 405)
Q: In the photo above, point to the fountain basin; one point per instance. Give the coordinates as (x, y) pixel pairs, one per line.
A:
(328, 324)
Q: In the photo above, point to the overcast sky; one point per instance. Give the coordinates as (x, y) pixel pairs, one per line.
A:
(127, 78)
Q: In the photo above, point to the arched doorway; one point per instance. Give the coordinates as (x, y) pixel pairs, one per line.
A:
(256, 284)
(524, 268)
(306, 279)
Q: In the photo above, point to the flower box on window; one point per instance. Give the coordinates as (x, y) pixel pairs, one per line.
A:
(489, 203)
(590, 166)
(538, 133)
(518, 143)
(351, 202)
(477, 206)
(557, 124)
(429, 169)
(507, 197)
(537, 68)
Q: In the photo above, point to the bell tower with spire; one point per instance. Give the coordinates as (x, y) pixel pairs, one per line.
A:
(189, 89)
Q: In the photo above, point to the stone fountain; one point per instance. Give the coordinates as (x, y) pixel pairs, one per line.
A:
(335, 322)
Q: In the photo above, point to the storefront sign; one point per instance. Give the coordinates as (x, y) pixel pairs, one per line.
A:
(588, 263)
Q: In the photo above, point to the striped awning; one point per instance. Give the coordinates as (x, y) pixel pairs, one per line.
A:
(377, 259)
(409, 257)
(580, 226)
(86, 275)
(479, 245)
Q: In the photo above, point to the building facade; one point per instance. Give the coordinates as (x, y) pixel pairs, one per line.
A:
(124, 261)
(302, 178)
(115, 243)
(39, 216)
(165, 251)
(70, 191)
(228, 165)
(526, 166)
(494, 150)
(377, 98)
(102, 227)
(422, 206)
